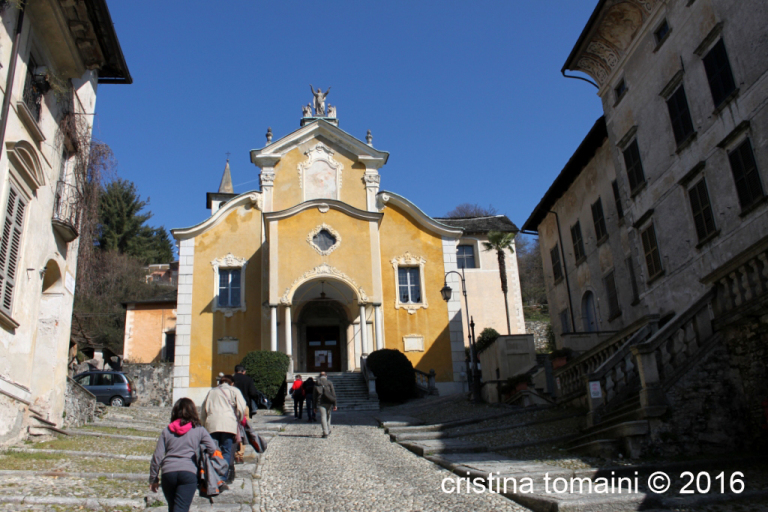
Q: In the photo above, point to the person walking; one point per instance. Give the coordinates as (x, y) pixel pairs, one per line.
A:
(325, 400)
(222, 410)
(309, 392)
(176, 456)
(297, 393)
(246, 386)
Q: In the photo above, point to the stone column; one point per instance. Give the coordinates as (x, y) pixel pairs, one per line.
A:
(363, 331)
(273, 328)
(288, 338)
(379, 326)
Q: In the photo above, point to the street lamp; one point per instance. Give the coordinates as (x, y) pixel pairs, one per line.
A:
(446, 292)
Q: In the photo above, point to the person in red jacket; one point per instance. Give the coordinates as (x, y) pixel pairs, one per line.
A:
(297, 393)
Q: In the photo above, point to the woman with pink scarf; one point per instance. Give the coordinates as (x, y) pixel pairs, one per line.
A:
(176, 456)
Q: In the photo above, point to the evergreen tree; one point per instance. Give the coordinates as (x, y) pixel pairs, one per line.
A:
(123, 228)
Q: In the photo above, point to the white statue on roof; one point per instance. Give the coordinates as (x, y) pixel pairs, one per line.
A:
(319, 100)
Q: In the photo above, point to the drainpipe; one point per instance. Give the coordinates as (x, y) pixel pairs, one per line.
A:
(565, 271)
(11, 75)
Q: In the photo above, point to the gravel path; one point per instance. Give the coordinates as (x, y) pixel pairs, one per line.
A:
(357, 468)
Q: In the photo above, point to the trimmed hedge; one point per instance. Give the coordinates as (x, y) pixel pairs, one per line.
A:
(395, 377)
(267, 369)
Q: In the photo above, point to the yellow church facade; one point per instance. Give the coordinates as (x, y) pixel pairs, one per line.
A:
(320, 265)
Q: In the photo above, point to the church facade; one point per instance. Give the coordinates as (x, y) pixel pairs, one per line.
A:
(322, 265)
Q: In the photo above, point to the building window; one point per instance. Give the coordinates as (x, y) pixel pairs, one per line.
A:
(617, 199)
(578, 242)
(409, 280)
(633, 281)
(719, 74)
(409, 285)
(10, 247)
(651, 250)
(745, 174)
(33, 90)
(229, 283)
(557, 270)
(601, 233)
(620, 90)
(634, 166)
(465, 256)
(229, 287)
(661, 33)
(682, 126)
(702, 210)
(565, 322)
(324, 240)
(613, 296)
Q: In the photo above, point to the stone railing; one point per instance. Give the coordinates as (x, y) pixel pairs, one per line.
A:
(652, 363)
(370, 378)
(741, 281)
(425, 383)
(571, 377)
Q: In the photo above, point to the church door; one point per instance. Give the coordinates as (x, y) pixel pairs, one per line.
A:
(323, 349)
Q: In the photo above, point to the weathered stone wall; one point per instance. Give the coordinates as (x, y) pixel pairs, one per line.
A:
(539, 331)
(79, 405)
(11, 420)
(154, 383)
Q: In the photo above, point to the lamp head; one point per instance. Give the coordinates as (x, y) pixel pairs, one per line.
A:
(446, 292)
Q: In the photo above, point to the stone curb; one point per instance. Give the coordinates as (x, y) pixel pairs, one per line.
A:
(536, 442)
(408, 436)
(84, 454)
(63, 500)
(140, 428)
(78, 432)
(60, 474)
(460, 423)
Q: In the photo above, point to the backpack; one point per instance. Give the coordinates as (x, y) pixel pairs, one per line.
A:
(326, 394)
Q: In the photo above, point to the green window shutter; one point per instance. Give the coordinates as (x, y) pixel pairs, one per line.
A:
(10, 248)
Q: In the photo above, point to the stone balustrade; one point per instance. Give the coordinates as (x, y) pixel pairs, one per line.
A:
(425, 382)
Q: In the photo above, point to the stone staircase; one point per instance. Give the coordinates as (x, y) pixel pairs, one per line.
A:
(351, 392)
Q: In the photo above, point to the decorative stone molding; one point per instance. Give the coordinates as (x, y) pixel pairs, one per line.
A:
(413, 343)
(333, 232)
(227, 345)
(228, 262)
(616, 29)
(24, 157)
(382, 200)
(250, 199)
(409, 260)
(323, 207)
(372, 179)
(323, 270)
(267, 179)
(320, 153)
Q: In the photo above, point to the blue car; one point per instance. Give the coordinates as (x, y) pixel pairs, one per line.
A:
(109, 387)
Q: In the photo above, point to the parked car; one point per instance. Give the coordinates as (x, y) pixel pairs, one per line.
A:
(109, 387)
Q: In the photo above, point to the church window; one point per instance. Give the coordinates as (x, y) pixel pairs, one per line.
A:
(465, 256)
(229, 288)
(324, 240)
(409, 285)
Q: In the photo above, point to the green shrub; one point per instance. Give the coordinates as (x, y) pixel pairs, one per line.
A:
(267, 369)
(395, 376)
(486, 339)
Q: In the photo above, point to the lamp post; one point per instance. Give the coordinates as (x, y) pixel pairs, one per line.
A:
(446, 292)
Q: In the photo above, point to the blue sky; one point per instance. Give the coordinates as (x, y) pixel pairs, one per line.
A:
(467, 97)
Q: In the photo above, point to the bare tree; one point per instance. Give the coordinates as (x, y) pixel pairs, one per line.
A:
(471, 210)
(531, 270)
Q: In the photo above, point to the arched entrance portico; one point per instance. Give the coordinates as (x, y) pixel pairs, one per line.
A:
(326, 331)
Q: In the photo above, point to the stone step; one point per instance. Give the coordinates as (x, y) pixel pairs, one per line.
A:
(621, 430)
(434, 447)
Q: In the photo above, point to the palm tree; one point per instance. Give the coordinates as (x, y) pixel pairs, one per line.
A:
(499, 242)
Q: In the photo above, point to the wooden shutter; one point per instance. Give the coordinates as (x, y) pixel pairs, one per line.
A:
(10, 247)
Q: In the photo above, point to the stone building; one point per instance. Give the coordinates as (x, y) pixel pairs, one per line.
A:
(654, 235)
(54, 56)
(150, 329)
(323, 266)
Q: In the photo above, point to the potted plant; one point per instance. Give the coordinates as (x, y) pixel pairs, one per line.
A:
(560, 357)
(515, 384)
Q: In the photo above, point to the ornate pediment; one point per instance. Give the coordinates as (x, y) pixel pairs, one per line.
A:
(611, 35)
(324, 270)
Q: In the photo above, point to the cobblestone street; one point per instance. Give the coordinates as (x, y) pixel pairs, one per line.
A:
(356, 468)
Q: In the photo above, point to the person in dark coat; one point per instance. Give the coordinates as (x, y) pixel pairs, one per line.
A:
(246, 386)
(309, 393)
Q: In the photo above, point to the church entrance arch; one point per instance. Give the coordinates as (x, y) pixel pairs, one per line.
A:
(325, 341)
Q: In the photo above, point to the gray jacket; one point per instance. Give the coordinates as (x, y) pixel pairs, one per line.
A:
(179, 452)
(324, 393)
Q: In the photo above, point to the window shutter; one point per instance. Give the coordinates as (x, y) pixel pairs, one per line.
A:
(10, 248)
